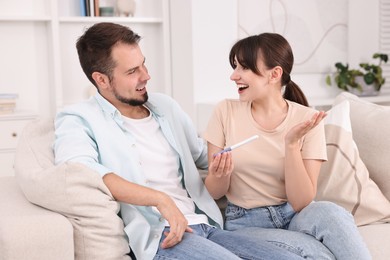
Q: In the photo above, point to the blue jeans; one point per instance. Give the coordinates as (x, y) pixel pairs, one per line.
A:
(207, 242)
(330, 225)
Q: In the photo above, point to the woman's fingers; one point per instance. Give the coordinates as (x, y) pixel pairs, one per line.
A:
(222, 164)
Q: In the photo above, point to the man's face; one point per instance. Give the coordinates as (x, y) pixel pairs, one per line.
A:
(130, 75)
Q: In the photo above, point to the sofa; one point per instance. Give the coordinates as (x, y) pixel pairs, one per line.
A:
(65, 211)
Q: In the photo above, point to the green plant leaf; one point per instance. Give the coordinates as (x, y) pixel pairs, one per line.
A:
(328, 80)
(369, 78)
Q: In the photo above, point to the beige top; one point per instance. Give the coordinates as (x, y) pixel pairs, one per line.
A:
(258, 176)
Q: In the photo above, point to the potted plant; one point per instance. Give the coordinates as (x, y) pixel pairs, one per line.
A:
(357, 80)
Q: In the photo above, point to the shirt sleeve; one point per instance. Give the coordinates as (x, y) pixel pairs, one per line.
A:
(314, 144)
(215, 130)
(74, 142)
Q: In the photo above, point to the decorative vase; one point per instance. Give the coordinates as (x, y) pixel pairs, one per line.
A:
(126, 7)
(366, 90)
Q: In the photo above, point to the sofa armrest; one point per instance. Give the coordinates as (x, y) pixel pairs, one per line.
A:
(28, 231)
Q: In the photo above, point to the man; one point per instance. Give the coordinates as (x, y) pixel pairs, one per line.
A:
(147, 152)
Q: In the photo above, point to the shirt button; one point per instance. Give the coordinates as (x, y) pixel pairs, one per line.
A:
(161, 219)
(156, 236)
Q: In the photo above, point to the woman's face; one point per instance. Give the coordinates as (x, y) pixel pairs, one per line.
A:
(250, 85)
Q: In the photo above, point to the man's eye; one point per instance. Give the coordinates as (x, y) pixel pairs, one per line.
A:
(131, 71)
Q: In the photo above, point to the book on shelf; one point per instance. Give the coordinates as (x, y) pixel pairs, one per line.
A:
(89, 8)
(83, 8)
(7, 103)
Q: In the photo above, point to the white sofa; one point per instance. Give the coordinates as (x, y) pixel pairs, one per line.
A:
(77, 216)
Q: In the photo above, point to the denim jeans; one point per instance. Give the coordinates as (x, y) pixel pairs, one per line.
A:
(330, 225)
(207, 242)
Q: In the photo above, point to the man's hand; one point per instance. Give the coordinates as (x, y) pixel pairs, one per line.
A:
(177, 222)
(132, 193)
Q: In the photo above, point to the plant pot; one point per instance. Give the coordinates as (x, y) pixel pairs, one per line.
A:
(365, 91)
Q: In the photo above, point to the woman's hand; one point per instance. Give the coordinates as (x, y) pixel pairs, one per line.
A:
(221, 165)
(298, 131)
(220, 169)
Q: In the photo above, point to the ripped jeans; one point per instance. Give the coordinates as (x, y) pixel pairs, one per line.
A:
(322, 230)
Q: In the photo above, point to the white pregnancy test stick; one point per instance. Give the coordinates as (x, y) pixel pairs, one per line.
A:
(250, 139)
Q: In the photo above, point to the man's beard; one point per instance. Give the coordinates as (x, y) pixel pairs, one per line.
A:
(131, 101)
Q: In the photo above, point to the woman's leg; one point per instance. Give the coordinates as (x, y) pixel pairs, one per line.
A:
(268, 223)
(334, 227)
(247, 246)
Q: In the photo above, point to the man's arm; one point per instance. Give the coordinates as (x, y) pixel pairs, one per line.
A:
(74, 142)
(131, 193)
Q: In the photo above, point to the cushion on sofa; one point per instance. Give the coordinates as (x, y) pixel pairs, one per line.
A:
(72, 190)
(344, 178)
(28, 231)
(371, 128)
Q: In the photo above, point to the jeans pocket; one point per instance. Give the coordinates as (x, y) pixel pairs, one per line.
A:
(233, 212)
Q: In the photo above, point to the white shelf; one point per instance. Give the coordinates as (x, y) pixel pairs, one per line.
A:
(24, 114)
(21, 19)
(383, 97)
(138, 20)
(41, 62)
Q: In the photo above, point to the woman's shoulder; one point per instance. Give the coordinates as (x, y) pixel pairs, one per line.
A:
(231, 105)
(300, 109)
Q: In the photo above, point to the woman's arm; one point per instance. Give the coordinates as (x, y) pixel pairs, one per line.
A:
(220, 168)
(300, 179)
(301, 175)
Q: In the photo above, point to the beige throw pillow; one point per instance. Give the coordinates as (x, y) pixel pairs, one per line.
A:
(371, 128)
(344, 178)
(72, 190)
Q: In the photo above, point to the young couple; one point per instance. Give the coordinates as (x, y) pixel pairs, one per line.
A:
(148, 154)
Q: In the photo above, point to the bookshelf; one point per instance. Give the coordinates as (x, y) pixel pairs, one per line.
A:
(39, 59)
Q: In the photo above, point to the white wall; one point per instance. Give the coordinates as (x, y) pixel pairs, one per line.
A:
(201, 75)
(202, 33)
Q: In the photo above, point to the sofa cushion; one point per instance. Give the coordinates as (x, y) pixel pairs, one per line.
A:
(344, 178)
(28, 231)
(371, 128)
(376, 238)
(72, 190)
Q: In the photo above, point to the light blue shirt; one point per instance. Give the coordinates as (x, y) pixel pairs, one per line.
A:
(92, 133)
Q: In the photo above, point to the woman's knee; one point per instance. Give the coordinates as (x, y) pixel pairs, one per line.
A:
(321, 213)
(319, 209)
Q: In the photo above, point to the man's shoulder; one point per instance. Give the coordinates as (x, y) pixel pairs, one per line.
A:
(82, 107)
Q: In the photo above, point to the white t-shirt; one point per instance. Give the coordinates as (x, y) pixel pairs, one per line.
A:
(160, 165)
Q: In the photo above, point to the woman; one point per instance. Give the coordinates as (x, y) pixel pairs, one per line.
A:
(274, 179)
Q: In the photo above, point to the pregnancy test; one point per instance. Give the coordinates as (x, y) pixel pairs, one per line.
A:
(250, 139)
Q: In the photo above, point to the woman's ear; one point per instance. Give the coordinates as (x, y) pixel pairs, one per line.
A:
(276, 74)
(101, 80)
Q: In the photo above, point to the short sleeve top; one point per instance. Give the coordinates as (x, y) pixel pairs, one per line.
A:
(258, 176)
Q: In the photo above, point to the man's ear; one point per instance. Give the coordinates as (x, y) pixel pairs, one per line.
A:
(101, 80)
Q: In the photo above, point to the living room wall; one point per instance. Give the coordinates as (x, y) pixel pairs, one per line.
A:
(203, 34)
